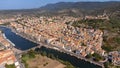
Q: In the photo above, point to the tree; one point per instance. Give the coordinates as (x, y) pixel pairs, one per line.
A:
(89, 56)
(10, 66)
(97, 57)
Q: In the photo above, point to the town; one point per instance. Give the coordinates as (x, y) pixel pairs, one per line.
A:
(54, 31)
(7, 53)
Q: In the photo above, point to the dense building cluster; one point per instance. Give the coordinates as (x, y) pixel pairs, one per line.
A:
(104, 17)
(115, 57)
(56, 32)
(7, 55)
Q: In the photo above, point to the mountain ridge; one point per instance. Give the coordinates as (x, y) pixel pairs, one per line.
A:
(71, 9)
(82, 7)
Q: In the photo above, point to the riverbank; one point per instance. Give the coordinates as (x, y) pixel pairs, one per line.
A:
(6, 37)
(72, 54)
(31, 56)
(8, 40)
(10, 53)
(20, 42)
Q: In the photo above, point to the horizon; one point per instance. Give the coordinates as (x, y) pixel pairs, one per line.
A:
(19, 5)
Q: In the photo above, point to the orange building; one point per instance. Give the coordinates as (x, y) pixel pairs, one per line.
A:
(7, 57)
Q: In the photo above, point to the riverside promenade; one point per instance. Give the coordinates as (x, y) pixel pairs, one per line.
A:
(8, 40)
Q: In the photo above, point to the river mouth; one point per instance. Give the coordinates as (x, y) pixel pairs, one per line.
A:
(19, 42)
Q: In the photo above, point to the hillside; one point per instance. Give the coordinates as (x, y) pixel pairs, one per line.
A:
(70, 9)
(80, 8)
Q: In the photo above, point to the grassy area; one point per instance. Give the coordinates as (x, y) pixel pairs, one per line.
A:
(49, 55)
(111, 43)
(117, 40)
(28, 56)
(10, 66)
(94, 23)
(68, 65)
(31, 55)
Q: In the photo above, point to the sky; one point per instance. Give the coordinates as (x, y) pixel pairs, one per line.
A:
(28, 4)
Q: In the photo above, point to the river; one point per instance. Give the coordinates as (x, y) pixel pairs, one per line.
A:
(24, 44)
(20, 43)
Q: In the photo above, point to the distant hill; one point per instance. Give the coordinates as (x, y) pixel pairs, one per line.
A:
(80, 8)
(78, 5)
(71, 9)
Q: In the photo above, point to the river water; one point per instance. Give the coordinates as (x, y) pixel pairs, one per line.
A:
(24, 44)
(20, 43)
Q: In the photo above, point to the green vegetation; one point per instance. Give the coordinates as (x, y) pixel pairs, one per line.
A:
(111, 43)
(111, 25)
(50, 55)
(97, 57)
(89, 56)
(28, 56)
(10, 66)
(68, 65)
(110, 65)
(31, 54)
(45, 64)
(117, 40)
(115, 21)
(83, 44)
(107, 48)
